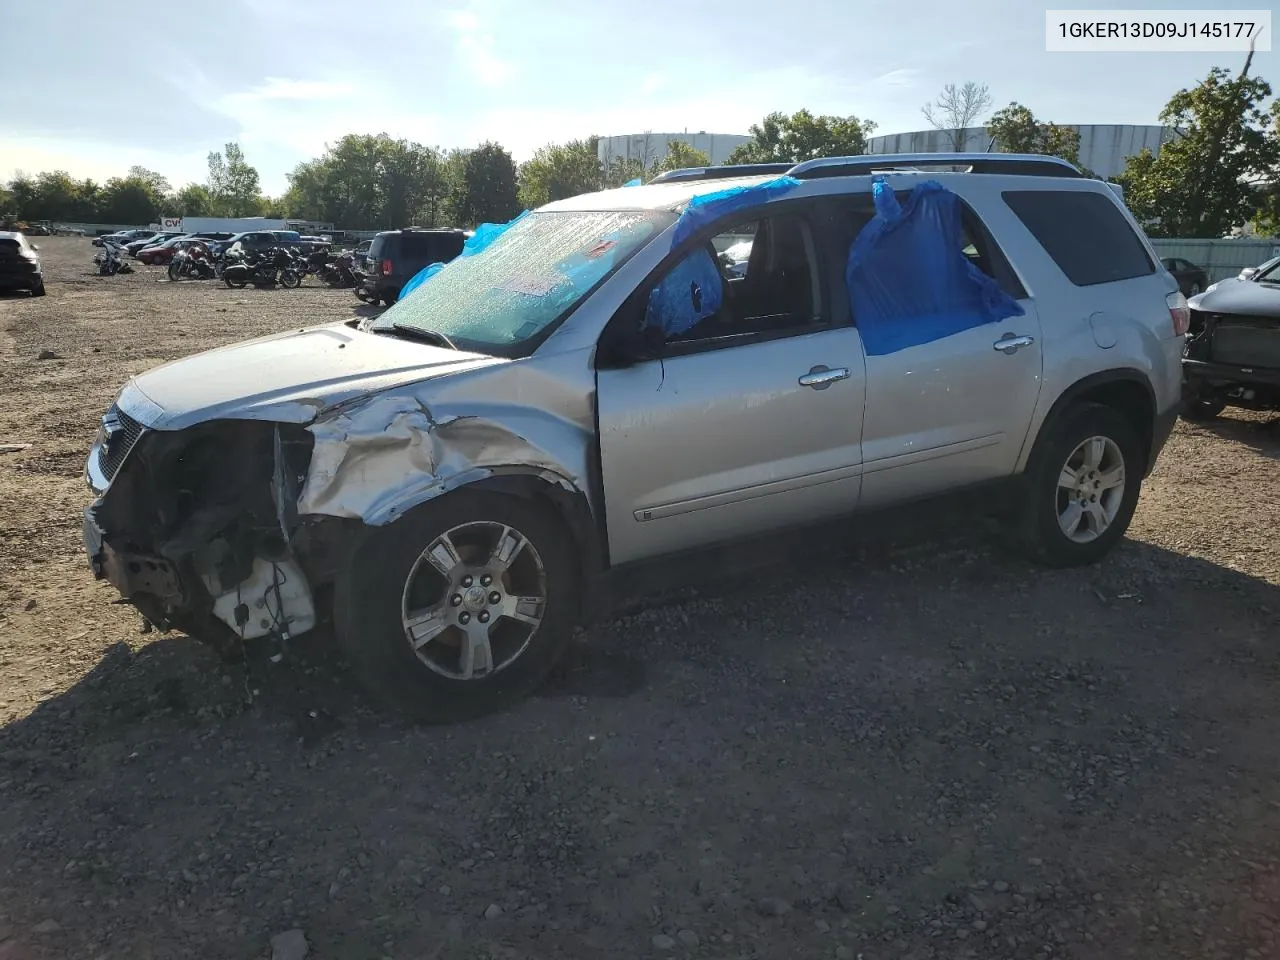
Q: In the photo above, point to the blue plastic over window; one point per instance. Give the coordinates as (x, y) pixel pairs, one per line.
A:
(484, 235)
(909, 281)
(706, 207)
(633, 183)
(692, 291)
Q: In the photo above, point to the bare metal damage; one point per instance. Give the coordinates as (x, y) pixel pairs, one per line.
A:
(375, 460)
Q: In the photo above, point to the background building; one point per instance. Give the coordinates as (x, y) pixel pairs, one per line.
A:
(1103, 147)
(651, 147)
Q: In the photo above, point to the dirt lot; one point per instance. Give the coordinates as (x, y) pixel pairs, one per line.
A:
(929, 750)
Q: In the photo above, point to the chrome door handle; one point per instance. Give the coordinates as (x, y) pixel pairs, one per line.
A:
(821, 377)
(1011, 343)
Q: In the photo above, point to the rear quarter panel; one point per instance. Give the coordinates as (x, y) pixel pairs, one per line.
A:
(1119, 326)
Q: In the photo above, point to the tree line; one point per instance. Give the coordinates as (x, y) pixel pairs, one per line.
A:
(1220, 168)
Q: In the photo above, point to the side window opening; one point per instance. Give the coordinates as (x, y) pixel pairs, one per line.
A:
(922, 270)
(1084, 233)
(755, 277)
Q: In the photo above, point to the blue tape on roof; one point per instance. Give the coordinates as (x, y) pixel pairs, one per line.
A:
(702, 209)
(693, 291)
(484, 235)
(633, 183)
(909, 282)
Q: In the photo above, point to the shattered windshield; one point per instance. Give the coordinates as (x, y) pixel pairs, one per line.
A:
(529, 277)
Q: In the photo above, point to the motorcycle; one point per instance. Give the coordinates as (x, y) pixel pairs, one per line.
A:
(193, 262)
(275, 266)
(110, 261)
(338, 272)
(364, 287)
(313, 263)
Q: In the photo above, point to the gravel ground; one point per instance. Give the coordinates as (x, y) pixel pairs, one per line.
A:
(924, 750)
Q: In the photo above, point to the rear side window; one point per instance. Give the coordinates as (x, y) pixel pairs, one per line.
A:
(431, 247)
(376, 248)
(1085, 234)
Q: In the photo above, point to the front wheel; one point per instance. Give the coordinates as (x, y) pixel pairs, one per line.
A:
(237, 283)
(38, 289)
(175, 271)
(461, 607)
(1081, 486)
(290, 279)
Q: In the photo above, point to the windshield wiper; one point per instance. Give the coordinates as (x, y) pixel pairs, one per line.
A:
(430, 336)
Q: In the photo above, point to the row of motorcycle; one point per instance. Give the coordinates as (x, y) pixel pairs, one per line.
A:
(274, 266)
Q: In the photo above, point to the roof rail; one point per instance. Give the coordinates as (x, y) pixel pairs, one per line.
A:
(1024, 164)
(717, 173)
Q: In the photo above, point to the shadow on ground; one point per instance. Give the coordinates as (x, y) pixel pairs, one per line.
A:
(935, 753)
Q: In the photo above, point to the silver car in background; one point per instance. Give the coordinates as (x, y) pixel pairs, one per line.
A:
(460, 477)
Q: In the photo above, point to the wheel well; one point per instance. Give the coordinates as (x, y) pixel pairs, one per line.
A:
(1127, 393)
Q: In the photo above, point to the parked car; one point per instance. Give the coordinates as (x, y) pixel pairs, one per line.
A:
(1191, 279)
(466, 475)
(1233, 349)
(1248, 273)
(253, 241)
(122, 237)
(20, 264)
(360, 254)
(162, 253)
(396, 255)
(152, 241)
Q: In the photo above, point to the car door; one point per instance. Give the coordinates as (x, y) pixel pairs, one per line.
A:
(746, 423)
(954, 410)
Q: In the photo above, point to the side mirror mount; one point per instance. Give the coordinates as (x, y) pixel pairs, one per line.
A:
(1248, 273)
(626, 349)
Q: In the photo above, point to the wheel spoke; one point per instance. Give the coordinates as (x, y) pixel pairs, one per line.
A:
(443, 555)
(1068, 478)
(1070, 518)
(510, 543)
(477, 655)
(425, 625)
(1097, 518)
(524, 609)
(1095, 449)
(1112, 478)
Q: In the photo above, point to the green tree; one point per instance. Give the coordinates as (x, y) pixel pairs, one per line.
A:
(193, 200)
(802, 136)
(1203, 181)
(680, 155)
(487, 190)
(1016, 130)
(560, 170)
(233, 183)
(129, 200)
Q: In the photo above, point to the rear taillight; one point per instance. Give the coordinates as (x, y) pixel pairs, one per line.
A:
(1179, 312)
(386, 268)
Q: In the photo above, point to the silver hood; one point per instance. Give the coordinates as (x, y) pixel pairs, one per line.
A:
(287, 378)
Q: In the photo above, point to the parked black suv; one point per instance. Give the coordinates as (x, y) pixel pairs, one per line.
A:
(19, 264)
(1233, 346)
(396, 255)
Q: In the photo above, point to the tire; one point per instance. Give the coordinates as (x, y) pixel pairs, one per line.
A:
(38, 289)
(388, 575)
(290, 279)
(1045, 499)
(234, 284)
(173, 271)
(364, 295)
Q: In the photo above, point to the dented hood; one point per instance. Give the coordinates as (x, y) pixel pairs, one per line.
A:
(287, 378)
(1250, 298)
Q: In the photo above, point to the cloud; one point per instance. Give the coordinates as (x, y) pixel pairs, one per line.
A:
(279, 88)
(653, 83)
(902, 77)
(476, 50)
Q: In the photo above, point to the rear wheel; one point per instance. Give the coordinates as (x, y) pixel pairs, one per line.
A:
(461, 607)
(234, 282)
(1082, 486)
(38, 289)
(174, 272)
(290, 279)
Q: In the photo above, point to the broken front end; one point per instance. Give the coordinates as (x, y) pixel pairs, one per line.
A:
(198, 528)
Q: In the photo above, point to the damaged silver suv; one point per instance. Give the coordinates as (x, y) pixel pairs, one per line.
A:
(597, 384)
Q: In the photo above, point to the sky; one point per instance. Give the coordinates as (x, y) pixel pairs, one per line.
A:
(111, 86)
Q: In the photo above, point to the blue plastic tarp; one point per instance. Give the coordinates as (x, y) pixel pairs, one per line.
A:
(484, 235)
(909, 281)
(702, 209)
(633, 183)
(692, 291)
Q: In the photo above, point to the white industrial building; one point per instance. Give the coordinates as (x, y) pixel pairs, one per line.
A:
(651, 147)
(1104, 148)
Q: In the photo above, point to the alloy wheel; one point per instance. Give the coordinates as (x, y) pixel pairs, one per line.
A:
(1090, 489)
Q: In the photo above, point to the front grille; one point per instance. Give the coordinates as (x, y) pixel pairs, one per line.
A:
(120, 433)
(1247, 341)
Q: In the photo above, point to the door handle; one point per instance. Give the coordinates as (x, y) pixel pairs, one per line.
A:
(1011, 343)
(821, 377)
